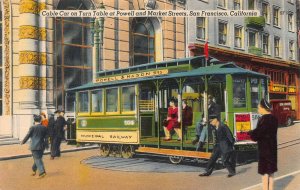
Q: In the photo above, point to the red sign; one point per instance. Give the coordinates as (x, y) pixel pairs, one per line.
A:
(242, 136)
(242, 126)
(242, 117)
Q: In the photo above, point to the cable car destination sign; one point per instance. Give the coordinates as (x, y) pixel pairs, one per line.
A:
(129, 76)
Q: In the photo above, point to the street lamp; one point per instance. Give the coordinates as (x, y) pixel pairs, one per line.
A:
(97, 27)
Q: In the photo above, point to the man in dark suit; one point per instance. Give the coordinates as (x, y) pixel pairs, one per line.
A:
(58, 134)
(224, 147)
(39, 141)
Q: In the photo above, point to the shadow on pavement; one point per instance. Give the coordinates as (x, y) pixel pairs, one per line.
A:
(284, 182)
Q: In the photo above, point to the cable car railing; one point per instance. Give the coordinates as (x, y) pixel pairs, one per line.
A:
(146, 105)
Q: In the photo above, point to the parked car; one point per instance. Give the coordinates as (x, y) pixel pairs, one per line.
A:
(282, 109)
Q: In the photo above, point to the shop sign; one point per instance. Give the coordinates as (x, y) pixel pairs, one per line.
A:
(292, 89)
(278, 88)
(132, 76)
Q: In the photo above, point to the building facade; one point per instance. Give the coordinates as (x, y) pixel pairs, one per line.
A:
(42, 57)
(266, 44)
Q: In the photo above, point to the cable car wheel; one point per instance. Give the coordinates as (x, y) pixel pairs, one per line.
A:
(127, 151)
(104, 150)
(175, 159)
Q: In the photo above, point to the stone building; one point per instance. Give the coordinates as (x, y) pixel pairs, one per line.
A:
(42, 56)
(266, 44)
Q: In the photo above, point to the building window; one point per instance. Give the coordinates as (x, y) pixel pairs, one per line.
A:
(237, 4)
(143, 41)
(266, 12)
(238, 37)
(277, 77)
(291, 50)
(276, 16)
(1, 64)
(276, 46)
(292, 80)
(201, 27)
(222, 3)
(73, 52)
(252, 39)
(251, 4)
(222, 33)
(265, 43)
(290, 22)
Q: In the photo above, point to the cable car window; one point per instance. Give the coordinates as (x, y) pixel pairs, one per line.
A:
(97, 101)
(254, 92)
(128, 98)
(83, 100)
(112, 100)
(239, 93)
(264, 88)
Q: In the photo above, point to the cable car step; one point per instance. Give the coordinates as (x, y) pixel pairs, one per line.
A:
(172, 152)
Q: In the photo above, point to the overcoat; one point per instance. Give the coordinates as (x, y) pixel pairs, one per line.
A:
(173, 114)
(187, 116)
(266, 136)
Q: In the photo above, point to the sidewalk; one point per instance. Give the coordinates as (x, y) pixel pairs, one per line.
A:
(15, 151)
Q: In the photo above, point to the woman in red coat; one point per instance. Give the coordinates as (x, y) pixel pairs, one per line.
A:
(266, 136)
(172, 119)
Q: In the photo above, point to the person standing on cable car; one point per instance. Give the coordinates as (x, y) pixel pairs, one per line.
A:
(202, 131)
(187, 116)
(265, 134)
(172, 120)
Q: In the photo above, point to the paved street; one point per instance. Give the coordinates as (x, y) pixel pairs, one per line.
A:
(72, 172)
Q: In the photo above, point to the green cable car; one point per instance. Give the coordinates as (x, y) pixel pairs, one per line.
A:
(123, 109)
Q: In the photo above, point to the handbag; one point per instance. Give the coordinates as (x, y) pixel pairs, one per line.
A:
(165, 122)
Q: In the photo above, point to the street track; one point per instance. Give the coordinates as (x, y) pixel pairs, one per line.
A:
(289, 143)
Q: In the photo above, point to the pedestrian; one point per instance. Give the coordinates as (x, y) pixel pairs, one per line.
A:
(224, 147)
(58, 133)
(265, 134)
(38, 134)
(45, 121)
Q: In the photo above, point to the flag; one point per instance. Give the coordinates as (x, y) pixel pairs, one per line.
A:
(206, 50)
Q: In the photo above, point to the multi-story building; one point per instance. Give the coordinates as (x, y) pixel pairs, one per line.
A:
(42, 57)
(267, 44)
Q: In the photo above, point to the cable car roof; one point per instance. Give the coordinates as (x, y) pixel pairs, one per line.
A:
(218, 69)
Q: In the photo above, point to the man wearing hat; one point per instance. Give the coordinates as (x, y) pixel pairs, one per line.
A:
(39, 141)
(224, 147)
(58, 133)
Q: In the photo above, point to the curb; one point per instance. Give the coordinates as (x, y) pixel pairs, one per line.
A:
(47, 153)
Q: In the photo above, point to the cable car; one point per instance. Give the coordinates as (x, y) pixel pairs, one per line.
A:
(123, 109)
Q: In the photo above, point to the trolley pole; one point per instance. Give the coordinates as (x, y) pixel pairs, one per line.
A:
(97, 27)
